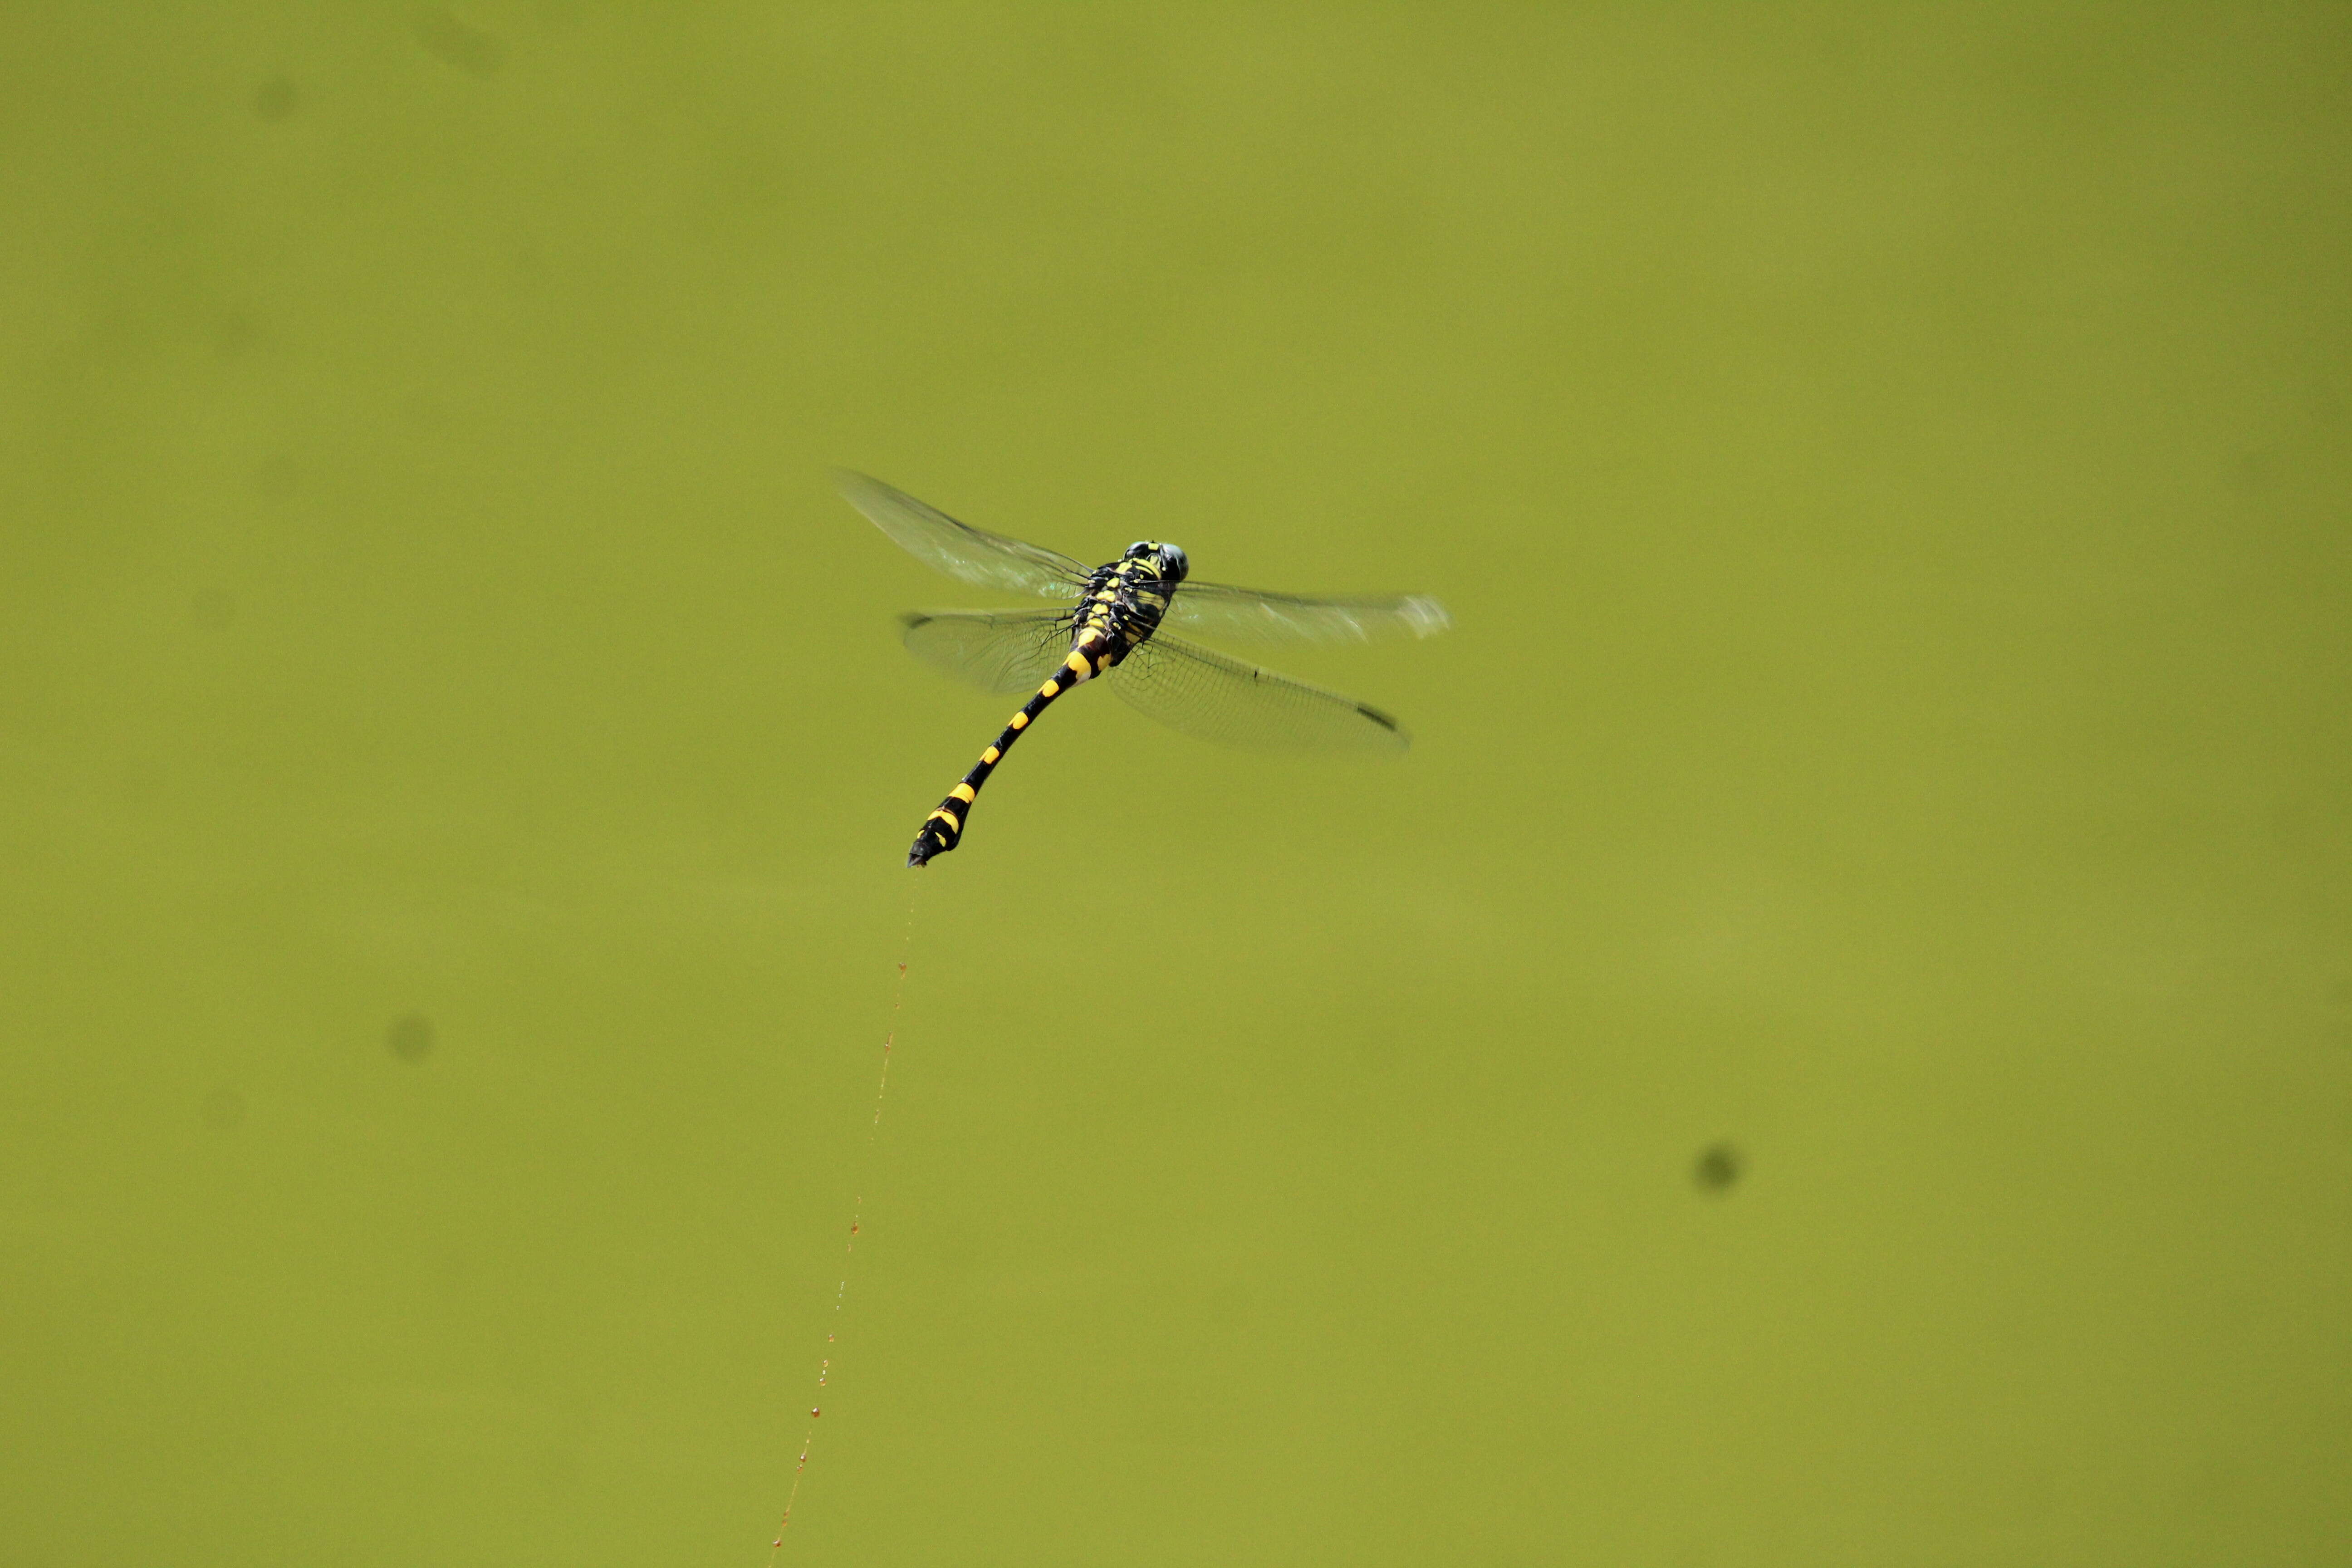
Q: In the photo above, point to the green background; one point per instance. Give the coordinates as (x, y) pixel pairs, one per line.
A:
(1890, 471)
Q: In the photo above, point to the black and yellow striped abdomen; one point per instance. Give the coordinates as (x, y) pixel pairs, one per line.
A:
(943, 829)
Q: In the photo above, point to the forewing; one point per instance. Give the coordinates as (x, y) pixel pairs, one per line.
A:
(960, 550)
(1218, 610)
(1214, 697)
(994, 652)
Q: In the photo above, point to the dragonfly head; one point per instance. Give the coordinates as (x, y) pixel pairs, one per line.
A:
(1168, 560)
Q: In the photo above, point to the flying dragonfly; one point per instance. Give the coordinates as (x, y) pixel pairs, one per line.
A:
(1109, 622)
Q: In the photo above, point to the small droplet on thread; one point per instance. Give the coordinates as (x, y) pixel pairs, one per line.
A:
(815, 1413)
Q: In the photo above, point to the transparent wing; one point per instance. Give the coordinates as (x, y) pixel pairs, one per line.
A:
(958, 549)
(1216, 609)
(1214, 697)
(993, 651)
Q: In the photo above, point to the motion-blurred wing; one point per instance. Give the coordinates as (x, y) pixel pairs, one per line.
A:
(958, 549)
(1214, 697)
(994, 652)
(1216, 610)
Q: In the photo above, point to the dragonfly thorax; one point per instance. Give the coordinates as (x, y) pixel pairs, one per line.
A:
(1124, 600)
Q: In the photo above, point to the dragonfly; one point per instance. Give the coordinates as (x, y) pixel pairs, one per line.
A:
(1108, 621)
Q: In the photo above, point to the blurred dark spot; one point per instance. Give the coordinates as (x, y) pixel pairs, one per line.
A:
(1717, 1167)
(410, 1037)
(2326, 406)
(213, 609)
(223, 1108)
(2290, 821)
(237, 334)
(425, 413)
(140, 779)
(531, 272)
(276, 478)
(276, 100)
(558, 1469)
(749, 173)
(449, 38)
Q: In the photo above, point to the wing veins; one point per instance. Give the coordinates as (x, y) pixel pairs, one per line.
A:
(1205, 694)
(1001, 651)
(958, 549)
(1255, 614)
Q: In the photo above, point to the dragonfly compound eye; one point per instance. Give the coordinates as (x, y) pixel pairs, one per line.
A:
(1174, 564)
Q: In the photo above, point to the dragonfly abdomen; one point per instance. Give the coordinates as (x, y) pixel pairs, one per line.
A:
(943, 829)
